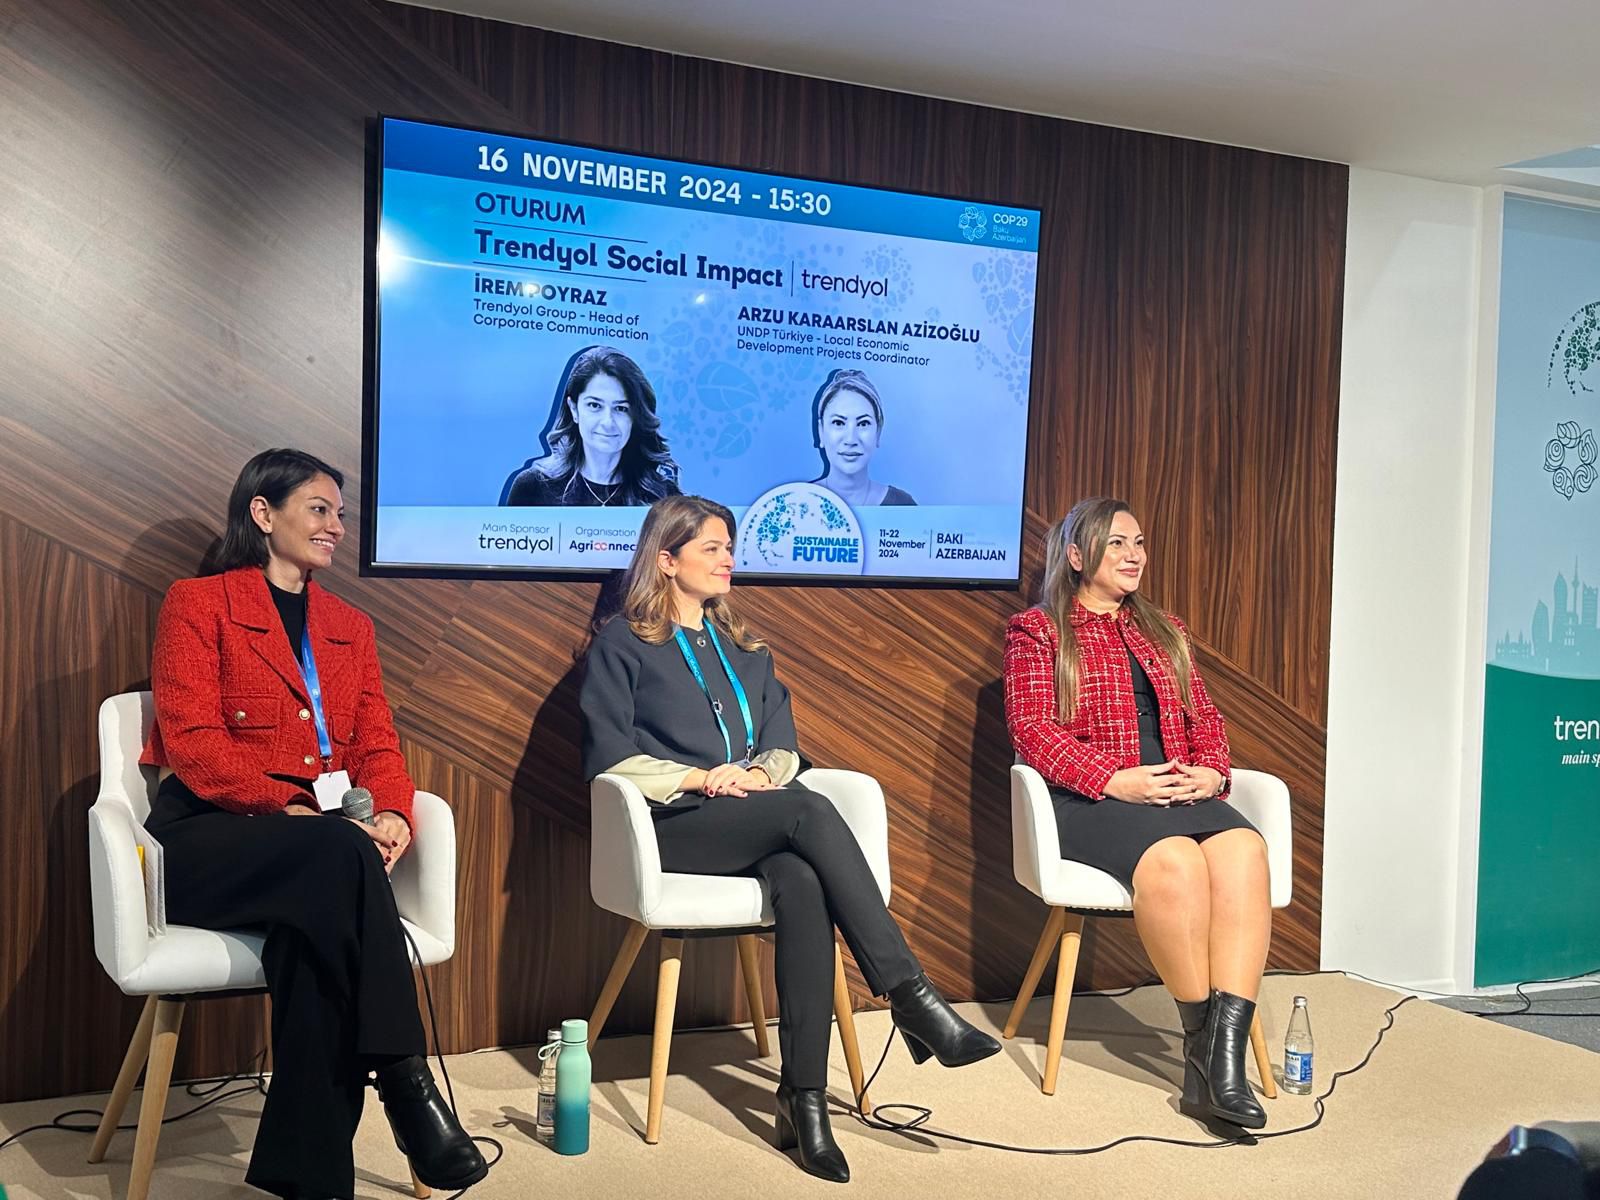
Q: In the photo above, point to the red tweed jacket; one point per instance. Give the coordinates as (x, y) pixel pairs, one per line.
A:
(233, 717)
(1103, 736)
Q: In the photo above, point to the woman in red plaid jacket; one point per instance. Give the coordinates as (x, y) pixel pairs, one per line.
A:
(1103, 698)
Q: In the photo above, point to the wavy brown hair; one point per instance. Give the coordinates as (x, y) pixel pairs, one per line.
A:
(1088, 527)
(647, 601)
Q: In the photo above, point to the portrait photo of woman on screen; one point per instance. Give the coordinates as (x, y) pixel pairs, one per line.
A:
(846, 425)
(603, 443)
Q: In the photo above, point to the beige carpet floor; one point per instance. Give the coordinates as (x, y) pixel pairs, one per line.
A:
(1441, 1088)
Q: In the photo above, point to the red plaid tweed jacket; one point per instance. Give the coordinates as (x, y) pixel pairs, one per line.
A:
(233, 717)
(1103, 736)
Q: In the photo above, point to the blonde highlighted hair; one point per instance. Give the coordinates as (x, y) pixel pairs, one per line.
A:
(1088, 527)
(648, 604)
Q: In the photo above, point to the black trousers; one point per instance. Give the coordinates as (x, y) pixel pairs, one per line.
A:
(336, 960)
(796, 841)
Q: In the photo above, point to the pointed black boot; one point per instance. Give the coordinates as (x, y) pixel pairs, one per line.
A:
(931, 1027)
(1218, 1057)
(803, 1125)
(425, 1129)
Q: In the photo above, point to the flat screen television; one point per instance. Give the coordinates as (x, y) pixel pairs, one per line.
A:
(562, 334)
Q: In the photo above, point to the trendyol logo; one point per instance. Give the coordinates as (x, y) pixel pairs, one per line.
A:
(801, 529)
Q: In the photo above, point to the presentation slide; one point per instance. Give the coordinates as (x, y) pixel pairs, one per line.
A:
(567, 334)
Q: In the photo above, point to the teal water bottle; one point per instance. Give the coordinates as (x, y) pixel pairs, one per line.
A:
(573, 1074)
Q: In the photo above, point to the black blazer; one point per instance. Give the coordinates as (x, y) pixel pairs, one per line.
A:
(642, 699)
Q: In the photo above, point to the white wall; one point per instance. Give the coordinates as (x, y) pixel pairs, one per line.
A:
(1399, 860)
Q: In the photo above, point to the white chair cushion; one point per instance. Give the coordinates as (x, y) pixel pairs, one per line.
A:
(186, 960)
(709, 902)
(625, 875)
(1036, 851)
(1078, 886)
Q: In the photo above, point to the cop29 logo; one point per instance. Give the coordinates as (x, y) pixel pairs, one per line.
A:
(973, 224)
(1579, 476)
(1569, 457)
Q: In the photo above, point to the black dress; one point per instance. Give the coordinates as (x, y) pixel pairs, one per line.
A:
(638, 698)
(1111, 835)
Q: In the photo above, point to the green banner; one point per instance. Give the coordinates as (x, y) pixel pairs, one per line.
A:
(1538, 913)
(1539, 870)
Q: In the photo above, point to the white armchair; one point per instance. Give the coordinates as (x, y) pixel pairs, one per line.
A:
(625, 877)
(1073, 891)
(184, 963)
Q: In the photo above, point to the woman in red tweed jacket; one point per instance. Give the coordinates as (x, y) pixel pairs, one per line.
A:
(263, 681)
(1103, 698)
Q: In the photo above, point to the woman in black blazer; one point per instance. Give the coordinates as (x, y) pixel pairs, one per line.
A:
(681, 698)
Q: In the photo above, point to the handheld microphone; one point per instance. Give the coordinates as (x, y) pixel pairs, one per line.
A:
(357, 805)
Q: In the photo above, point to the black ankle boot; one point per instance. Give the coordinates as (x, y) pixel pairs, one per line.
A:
(803, 1124)
(930, 1026)
(425, 1129)
(1214, 1081)
(1196, 1099)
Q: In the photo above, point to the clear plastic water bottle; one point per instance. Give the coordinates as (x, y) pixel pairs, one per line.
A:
(573, 1073)
(1297, 1050)
(544, 1123)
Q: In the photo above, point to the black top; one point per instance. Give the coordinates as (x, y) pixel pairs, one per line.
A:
(895, 496)
(642, 699)
(292, 612)
(891, 494)
(532, 488)
(1149, 710)
(529, 487)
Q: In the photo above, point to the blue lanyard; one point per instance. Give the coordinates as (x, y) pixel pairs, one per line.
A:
(308, 669)
(716, 705)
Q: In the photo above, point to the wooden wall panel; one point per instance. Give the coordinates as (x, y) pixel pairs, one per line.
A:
(181, 285)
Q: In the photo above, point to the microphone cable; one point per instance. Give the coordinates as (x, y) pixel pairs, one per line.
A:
(212, 1089)
(438, 1054)
(916, 1123)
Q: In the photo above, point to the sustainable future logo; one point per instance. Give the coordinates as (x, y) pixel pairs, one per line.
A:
(801, 529)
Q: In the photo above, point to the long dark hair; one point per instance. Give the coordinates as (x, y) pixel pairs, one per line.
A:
(646, 471)
(272, 475)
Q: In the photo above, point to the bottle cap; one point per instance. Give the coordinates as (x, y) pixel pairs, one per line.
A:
(1299, 1001)
(553, 1036)
(574, 1032)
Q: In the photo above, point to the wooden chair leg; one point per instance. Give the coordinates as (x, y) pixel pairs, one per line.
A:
(1258, 1042)
(1030, 981)
(750, 967)
(847, 1033)
(168, 1019)
(1066, 970)
(418, 1189)
(626, 953)
(132, 1063)
(661, 1040)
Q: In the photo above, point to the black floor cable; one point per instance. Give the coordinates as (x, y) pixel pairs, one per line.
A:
(1526, 1010)
(917, 1122)
(433, 1021)
(214, 1091)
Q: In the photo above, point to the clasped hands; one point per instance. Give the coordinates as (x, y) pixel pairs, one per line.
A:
(388, 829)
(729, 779)
(1165, 784)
